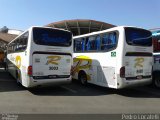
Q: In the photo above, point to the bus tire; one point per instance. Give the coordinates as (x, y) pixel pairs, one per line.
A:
(82, 77)
(157, 83)
(6, 67)
(156, 79)
(17, 78)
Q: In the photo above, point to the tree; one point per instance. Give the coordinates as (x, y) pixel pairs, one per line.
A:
(4, 29)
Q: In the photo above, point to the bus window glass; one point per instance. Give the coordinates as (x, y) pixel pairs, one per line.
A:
(109, 41)
(21, 43)
(24, 41)
(112, 40)
(98, 42)
(49, 37)
(79, 45)
(93, 43)
(87, 44)
(138, 37)
(9, 48)
(104, 41)
(14, 46)
(17, 47)
(83, 44)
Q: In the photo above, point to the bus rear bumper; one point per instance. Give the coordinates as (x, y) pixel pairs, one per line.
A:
(123, 83)
(48, 82)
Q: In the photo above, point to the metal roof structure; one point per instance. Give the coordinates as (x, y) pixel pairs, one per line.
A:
(5, 38)
(81, 26)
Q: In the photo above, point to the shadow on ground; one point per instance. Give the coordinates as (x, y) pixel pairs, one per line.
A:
(8, 84)
(76, 89)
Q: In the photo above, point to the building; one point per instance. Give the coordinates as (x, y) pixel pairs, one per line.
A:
(6, 35)
(4, 39)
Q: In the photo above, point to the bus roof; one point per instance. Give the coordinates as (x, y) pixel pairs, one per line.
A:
(48, 27)
(107, 30)
(38, 27)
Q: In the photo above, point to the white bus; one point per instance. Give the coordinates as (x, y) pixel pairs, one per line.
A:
(116, 58)
(41, 56)
(156, 56)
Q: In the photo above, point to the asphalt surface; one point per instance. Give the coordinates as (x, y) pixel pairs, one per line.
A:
(75, 99)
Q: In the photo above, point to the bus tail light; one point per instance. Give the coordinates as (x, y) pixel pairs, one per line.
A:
(29, 70)
(122, 72)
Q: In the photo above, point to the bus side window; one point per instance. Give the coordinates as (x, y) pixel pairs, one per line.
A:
(83, 44)
(113, 39)
(108, 41)
(79, 45)
(87, 44)
(14, 46)
(93, 43)
(98, 42)
(18, 42)
(76, 45)
(104, 41)
(109, 46)
(9, 48)
(24, 41)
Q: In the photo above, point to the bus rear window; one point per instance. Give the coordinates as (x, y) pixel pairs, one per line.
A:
(51, 37)
(138, 37)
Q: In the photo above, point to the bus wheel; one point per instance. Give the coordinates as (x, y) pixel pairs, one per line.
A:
(157, 82)
(17, 78)
(6, 67)
(156, 79)
(82, 77)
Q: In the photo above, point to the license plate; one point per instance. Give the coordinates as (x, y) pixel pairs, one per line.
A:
(52, 76)
(139, 77)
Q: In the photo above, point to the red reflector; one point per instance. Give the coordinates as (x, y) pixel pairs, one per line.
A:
(29, 70)
(122, 72)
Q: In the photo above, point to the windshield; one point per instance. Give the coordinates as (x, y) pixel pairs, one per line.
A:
(51, 37)
(138, 37)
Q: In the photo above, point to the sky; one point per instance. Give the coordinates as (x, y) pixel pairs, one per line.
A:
(21, 14)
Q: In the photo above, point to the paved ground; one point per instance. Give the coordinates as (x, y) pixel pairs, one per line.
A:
(76, 99)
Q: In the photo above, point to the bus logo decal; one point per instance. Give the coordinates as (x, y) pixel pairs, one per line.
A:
(53, 60)
(18, 61)
(80, 64)
(139, 62)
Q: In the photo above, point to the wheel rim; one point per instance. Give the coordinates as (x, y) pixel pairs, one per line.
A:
(157, 82)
